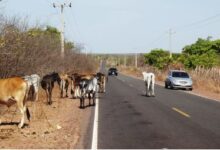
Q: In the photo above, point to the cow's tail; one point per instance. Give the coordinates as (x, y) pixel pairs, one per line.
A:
(26, 92)
(28, 114)
(25, 100)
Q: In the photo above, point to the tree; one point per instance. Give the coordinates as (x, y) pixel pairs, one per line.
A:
(201, 53)
(158, 58)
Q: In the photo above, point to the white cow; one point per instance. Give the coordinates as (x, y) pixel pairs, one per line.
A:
(33, 84)
(149, 79)
(89, 87)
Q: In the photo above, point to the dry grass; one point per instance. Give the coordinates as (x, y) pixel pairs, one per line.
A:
(207, 79)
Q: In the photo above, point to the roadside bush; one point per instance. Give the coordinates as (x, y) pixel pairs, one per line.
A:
(35, 50)
(158, 58)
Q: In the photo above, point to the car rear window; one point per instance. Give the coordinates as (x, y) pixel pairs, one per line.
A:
(113, 69)
(180, 75)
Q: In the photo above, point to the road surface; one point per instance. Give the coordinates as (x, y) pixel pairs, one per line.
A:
(172, 119)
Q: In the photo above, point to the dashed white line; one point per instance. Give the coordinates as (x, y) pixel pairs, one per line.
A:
(95, 126)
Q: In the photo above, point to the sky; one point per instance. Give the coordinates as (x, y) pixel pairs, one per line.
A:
(124, 26)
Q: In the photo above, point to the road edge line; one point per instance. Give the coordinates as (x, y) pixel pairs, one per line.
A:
(95, 126)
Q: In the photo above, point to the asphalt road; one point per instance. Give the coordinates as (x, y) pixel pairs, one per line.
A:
(172, 119)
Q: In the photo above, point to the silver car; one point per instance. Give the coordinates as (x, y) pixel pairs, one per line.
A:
(178, 79)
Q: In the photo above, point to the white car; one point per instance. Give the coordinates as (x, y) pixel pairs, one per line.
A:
(178, 79)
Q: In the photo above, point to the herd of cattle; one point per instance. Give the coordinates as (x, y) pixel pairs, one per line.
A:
(20, 89)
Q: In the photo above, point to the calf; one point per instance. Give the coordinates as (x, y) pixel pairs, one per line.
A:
(15, 90)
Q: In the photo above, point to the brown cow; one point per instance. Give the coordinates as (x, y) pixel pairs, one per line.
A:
(64, 84)
(101, 81)
(15, 90)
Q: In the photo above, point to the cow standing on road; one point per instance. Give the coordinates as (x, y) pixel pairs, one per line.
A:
(149, 79)
(89, 87)
(101, 82)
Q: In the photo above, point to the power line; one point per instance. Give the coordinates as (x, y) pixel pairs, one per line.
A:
(199, 22)
(197, 25)
(80, 34)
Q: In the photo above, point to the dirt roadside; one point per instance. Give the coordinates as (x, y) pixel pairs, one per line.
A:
(59, 126)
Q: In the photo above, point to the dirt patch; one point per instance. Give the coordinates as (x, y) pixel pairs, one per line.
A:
(56, 126)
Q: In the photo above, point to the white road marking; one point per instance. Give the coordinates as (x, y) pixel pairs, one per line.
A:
(95, 126)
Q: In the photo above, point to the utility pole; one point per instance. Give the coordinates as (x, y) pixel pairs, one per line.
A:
(125, 59)
(136, 60)
(170, 41)
(62, 6)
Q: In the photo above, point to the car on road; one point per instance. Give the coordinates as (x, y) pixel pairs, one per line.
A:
(179, 80)
(113, 71)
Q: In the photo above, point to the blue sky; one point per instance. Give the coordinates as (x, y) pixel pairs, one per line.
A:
(125, 26)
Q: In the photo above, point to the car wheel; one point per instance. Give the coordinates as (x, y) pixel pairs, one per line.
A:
(171, 86)
(190, 89)
(166, 86)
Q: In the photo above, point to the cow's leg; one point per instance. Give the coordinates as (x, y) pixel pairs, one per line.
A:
(22, 110)
(47, 94)
(67, 92)
(104, 86)
(50, 95)
(61, 87)
(82, 97)
(153, 94)
(72, 88)
(81, 102)
(152, 85)
(78, 92)
(146, 86)
(89, 99)
(36, 96)
(66, 87)
(72, 92)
